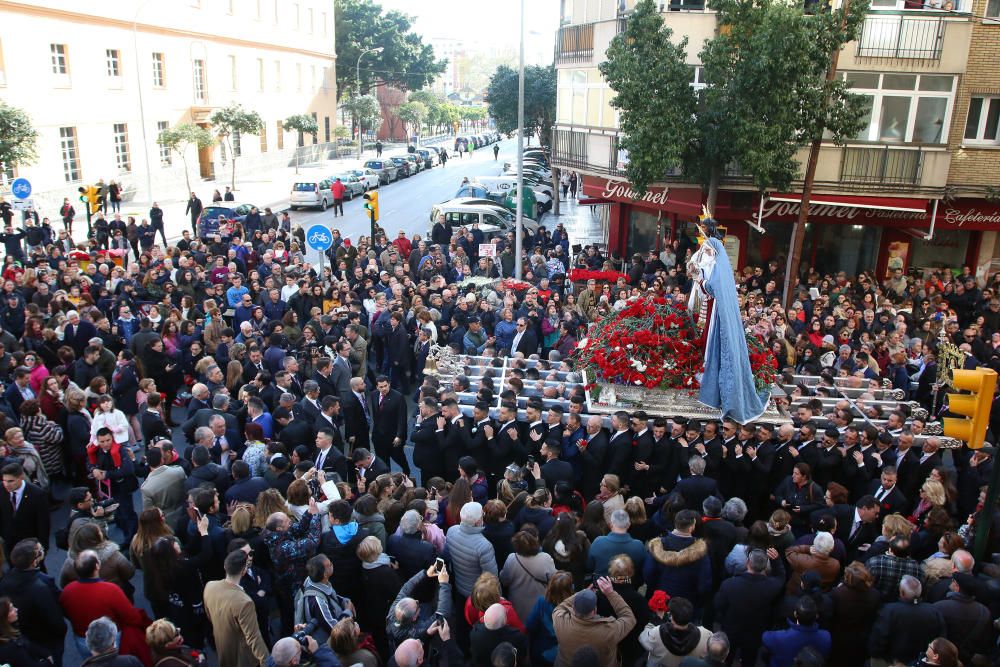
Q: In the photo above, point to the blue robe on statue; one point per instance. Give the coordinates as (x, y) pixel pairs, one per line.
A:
(727, 383)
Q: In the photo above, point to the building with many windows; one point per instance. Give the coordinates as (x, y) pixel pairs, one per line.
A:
(102, 80)
(916, 188)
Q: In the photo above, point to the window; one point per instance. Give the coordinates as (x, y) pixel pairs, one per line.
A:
(295, 15)
(277, 75)
(326, 129)
(229, 7)
(233, 74)
(993, 9)
(983, 121)
(310, 15)
(298, 77)
(281, 135)
(121, 147)
(237, 144)
(199, 81)
(113, 58)
(263, 138)
(260, 75)
(60, 60)
(312, 79)
(323, 19)
(315, 120)
(3, 71)
(161, 127)
(276, 14)
(259, 9)
(9, 172)
(70, 154)
(159, 71)
(903, 108)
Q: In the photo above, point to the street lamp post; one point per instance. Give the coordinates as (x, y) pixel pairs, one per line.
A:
(357, 76)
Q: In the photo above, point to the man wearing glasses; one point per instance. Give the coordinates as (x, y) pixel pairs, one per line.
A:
(525, 340)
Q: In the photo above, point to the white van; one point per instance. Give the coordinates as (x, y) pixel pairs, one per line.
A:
(311, 193)
(491, 218)
(502, 186)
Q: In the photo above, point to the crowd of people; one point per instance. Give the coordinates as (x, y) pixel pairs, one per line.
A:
(259, 449)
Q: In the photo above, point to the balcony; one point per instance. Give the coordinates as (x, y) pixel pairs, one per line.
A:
(904, 36)
(882, 165)
(575, 44)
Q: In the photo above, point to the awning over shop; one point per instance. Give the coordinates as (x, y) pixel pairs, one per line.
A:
(871, 203)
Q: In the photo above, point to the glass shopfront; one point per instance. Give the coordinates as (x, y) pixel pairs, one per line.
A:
(828, 248)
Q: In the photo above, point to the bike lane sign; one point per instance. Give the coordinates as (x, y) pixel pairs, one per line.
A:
(318, 237)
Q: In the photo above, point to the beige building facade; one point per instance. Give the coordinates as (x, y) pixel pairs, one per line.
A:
(100, 80)
(912, 189)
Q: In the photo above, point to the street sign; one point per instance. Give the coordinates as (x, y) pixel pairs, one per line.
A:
(22, 204)
(318, 237)
(21, 188)
(487, 250)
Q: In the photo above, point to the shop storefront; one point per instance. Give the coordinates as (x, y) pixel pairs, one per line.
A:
(846, 233)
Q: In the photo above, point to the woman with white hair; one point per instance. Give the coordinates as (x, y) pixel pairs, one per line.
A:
(816, 557)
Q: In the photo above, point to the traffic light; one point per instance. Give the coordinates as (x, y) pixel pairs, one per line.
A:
(975, 406)
(371, 205)
(91, 196)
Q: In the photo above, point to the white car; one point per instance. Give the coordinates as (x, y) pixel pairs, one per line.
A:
(367, 176)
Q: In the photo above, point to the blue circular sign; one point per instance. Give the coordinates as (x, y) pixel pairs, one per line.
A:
(21, 188)
(318, 237)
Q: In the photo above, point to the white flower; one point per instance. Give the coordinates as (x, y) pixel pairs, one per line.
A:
(583, 343)
(628, 347)
(638, 381)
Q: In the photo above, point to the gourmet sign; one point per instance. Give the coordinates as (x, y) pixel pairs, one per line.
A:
(623, 190)
(783, 209)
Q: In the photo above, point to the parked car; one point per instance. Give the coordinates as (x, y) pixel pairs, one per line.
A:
(492, 221)
(416, 163)
(403, 166)
(353, 185)
(231, 212)
(386, 169)
(367, 176)
(314, 193)
(431, 157)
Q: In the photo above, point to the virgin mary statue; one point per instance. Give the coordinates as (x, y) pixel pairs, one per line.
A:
(727, 383)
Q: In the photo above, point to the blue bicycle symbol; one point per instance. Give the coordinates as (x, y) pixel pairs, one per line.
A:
(319, 239)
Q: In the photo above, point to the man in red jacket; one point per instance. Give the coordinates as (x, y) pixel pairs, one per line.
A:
(338, 189)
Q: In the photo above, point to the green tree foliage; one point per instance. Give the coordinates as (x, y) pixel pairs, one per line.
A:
(539, 100)
(18, 139)
(405, 61)
(234, 119)
(654, 98)
(766, 94)
(180, 138)
(364, 109)
(304, 124)
(413, 114)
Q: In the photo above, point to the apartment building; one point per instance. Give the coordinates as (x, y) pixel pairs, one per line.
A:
(100, 80)
(916, 188)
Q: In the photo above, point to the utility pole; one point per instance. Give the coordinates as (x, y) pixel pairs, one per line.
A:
(519, 219)
(357, 77)
(799, 230)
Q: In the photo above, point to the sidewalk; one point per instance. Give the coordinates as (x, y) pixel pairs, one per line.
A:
(586, 225)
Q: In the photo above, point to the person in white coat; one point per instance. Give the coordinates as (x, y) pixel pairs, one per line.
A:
(106, 415)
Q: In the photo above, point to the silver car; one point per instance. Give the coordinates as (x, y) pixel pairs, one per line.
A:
(309, 194)
(353, 185)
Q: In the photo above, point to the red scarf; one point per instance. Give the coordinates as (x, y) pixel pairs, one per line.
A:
(115, 451)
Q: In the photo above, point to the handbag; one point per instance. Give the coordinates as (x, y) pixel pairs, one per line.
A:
(544, 582)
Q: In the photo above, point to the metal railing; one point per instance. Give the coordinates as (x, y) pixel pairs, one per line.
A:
(901, 36)
(683, 6)
(569, 149)
(575, 43)
(881, 164)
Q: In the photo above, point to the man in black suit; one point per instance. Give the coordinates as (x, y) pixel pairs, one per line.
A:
(890, 499)
(525, 340)
(507, 444)
(552, 470)
(201, 398)
(151, 421)
(220, 406)
(397, 346)
(357, 418)
(78, 332)
(453, 443)
(388, 411)
(329, 458)
(594, 455)
(254, 365)
(323, 377)
(365, 466)
(227, 443)
(19, 390)
(340, 375)
(696, 487)
(296, 432)
(930, 458)
(620, 447)
(328, 421)
(308, 408)
(858, 526)
(24, 509)
(476, 440)
(640, 480)
(907, 463)
(425, 437)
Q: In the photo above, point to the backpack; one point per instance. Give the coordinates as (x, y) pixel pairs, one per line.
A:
(303, 615)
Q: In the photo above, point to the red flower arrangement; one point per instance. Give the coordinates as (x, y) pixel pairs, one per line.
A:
(516, 285)
(583, 275)
(652, 342)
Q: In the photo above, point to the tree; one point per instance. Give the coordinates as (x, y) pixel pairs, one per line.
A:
(405, 61)
(182, 137)
(304, 124)
(653, 95)
(413, 115)
(18, 139)
(364, 109)
(539, 100)
(234, 120)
